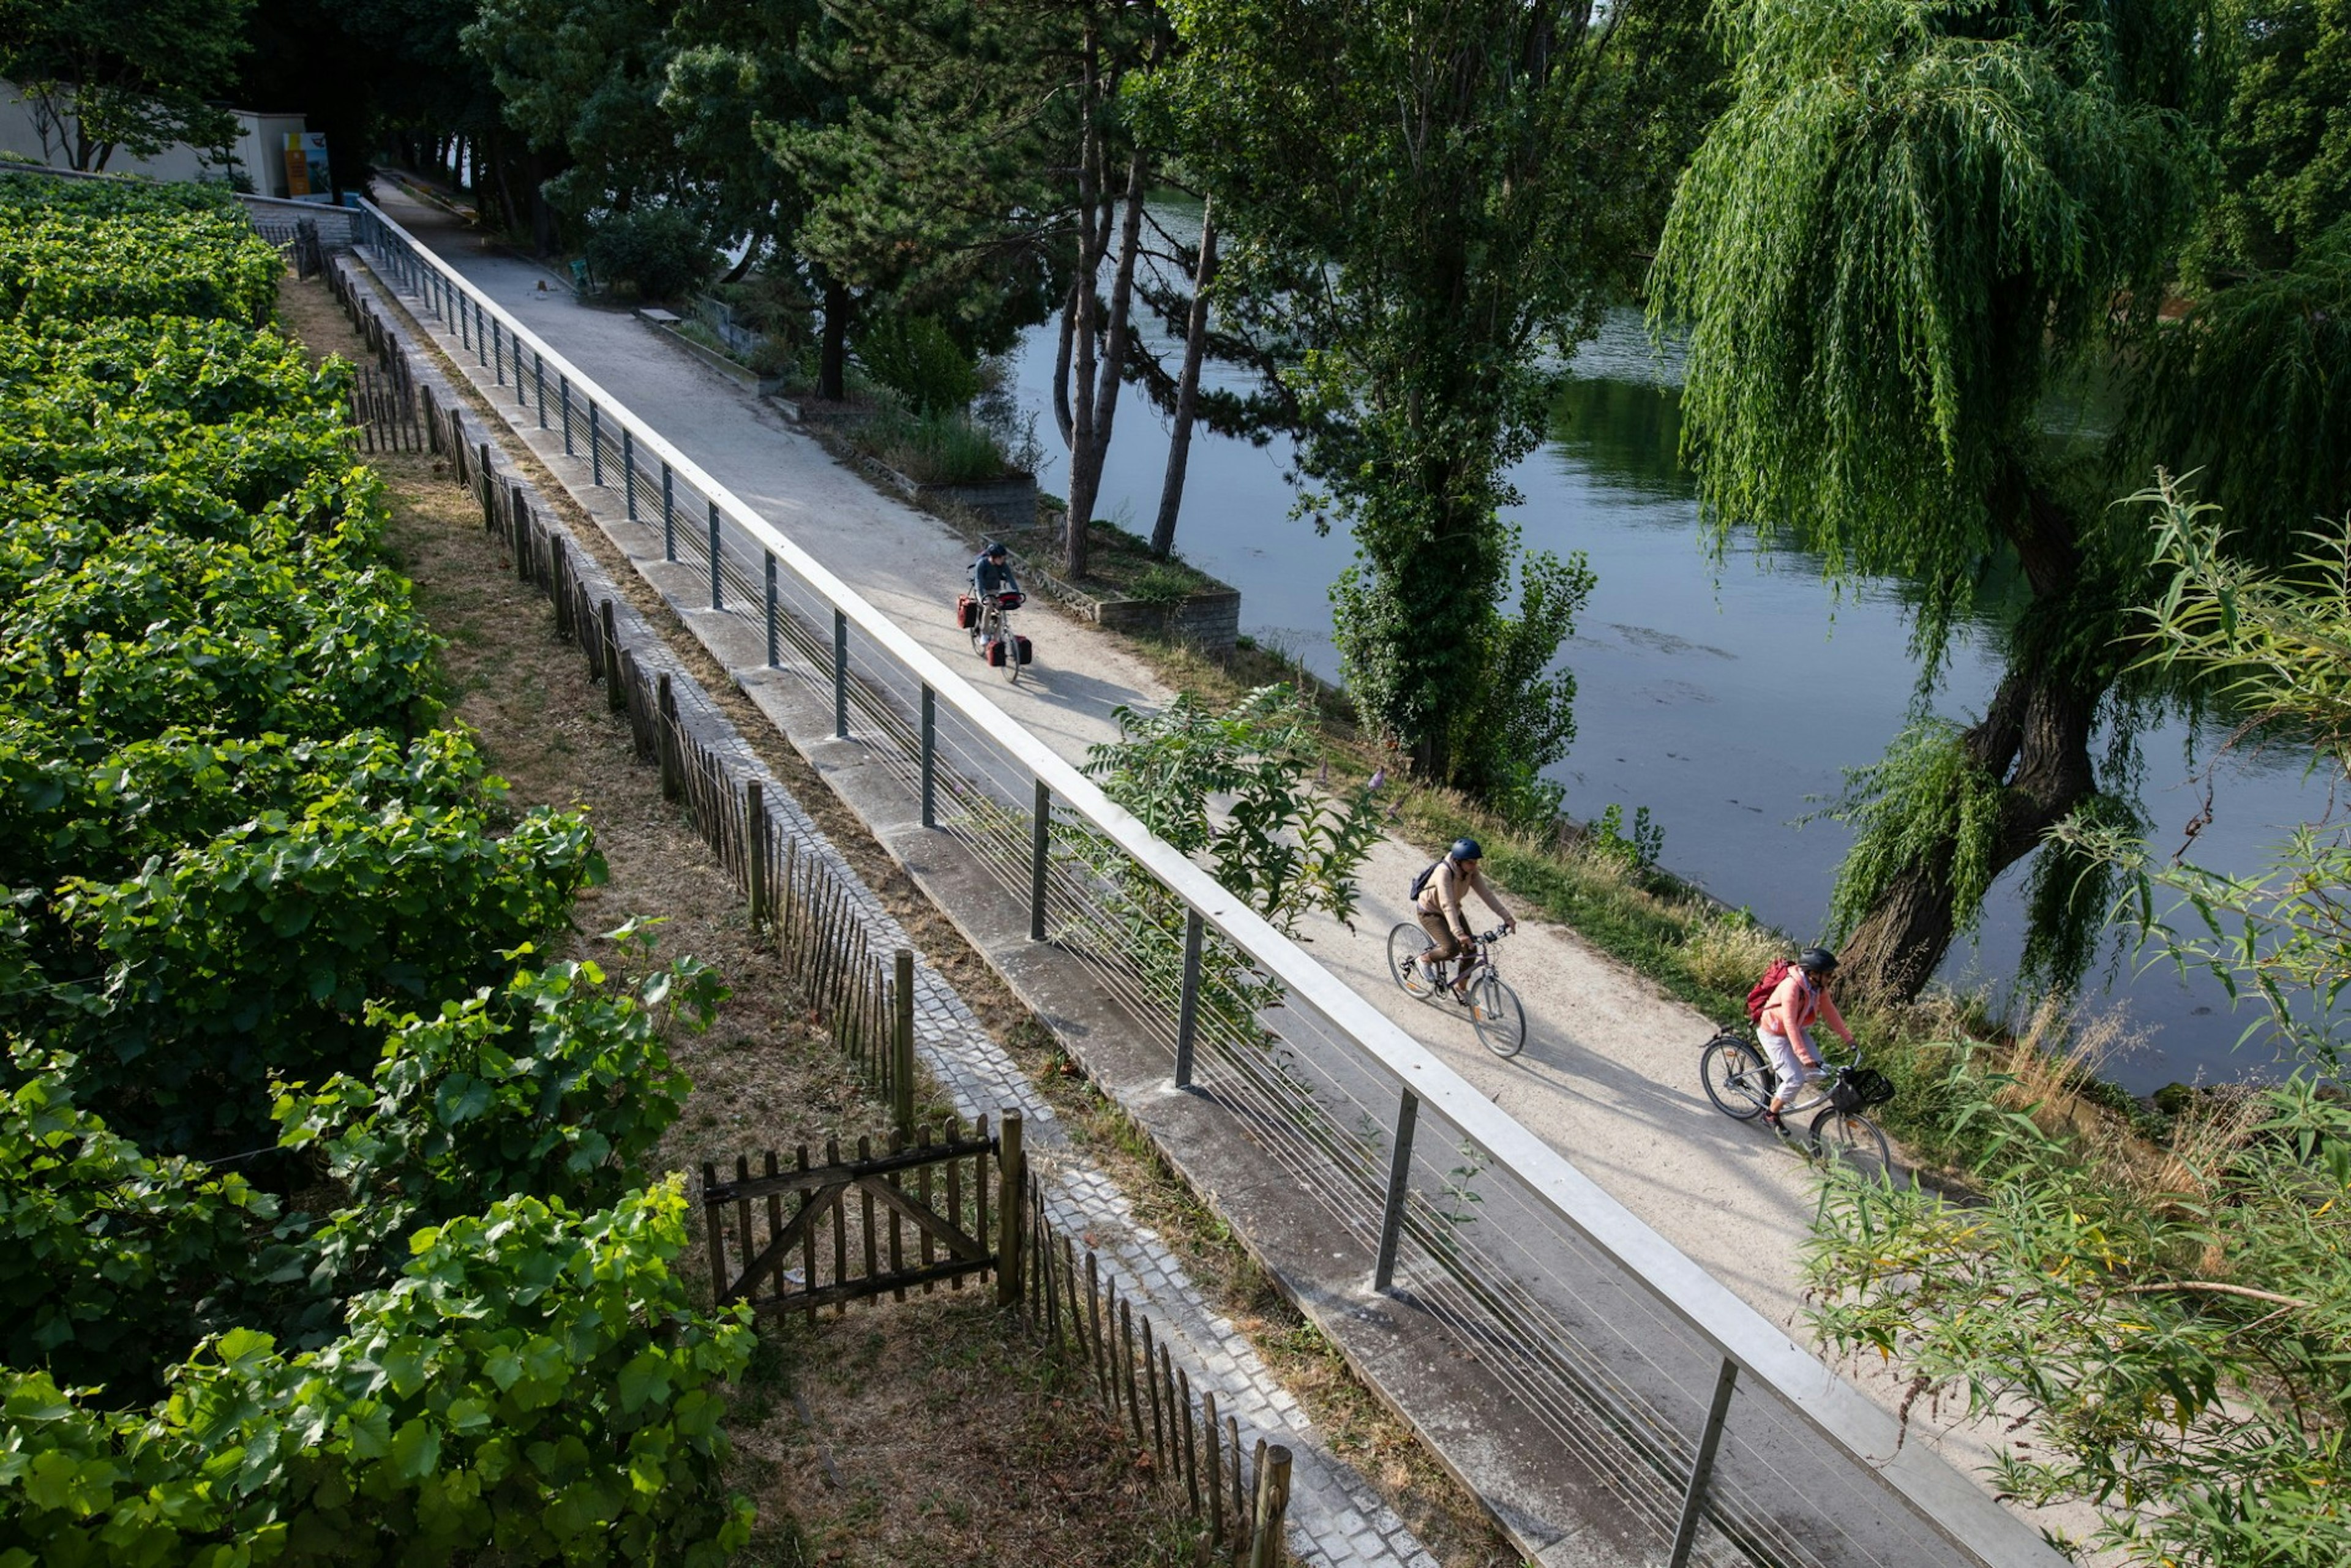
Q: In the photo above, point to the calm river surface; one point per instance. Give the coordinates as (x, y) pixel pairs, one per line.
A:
(1726, 697)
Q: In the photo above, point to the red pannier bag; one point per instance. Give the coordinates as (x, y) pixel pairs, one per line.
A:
(966, 611)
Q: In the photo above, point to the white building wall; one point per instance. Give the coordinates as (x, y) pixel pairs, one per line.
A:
(259, 147)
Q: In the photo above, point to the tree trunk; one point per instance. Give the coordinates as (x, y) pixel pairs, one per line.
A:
(833, 354)
(1187, 387)
(1076, 523)
(1086, 461)
(2035, 737)
(1061, 356)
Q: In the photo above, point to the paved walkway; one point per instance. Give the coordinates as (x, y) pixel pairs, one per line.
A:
(1608, 1075)
(1335, 1516)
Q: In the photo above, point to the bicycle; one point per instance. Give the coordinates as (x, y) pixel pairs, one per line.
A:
(1494, 1007)
(993, 624)
(1740, 1083)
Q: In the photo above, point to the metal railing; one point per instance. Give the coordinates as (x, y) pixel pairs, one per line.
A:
(1706, 1425)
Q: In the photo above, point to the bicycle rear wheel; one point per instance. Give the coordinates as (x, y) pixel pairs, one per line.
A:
(1735, 1077)
(1851, 1141)
(980, 633)
(1406, 943)
(1495, 1012)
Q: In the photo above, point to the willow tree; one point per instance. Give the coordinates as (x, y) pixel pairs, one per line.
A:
(1430, 204)
(1913, 214)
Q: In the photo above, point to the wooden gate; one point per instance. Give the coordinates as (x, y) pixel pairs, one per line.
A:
(930, 1210)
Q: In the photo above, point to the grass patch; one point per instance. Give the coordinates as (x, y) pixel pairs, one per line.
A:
(1120, 565)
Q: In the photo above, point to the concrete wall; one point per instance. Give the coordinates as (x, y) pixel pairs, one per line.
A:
(258, 148)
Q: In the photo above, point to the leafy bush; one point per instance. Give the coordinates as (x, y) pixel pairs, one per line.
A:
(914, 357)
(659, 250)
(549, 1086)
(933, 448)
(535, 1389)
(73, 251)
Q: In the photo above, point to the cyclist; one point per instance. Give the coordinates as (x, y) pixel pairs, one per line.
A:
(1438, 908)
(1784, 1027)
(991, 574)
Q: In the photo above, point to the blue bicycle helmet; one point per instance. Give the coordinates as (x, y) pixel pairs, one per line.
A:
(1465, 850)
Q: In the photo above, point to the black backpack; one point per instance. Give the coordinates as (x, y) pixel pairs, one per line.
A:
(1420, 883)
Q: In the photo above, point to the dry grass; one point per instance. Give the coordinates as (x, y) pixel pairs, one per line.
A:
(954, 1440)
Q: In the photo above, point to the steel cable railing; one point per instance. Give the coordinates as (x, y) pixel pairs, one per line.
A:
(1707, 1421)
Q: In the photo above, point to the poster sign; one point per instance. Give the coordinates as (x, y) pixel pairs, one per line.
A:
(308, 176)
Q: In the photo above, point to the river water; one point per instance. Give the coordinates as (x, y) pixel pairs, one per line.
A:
(1728, 696)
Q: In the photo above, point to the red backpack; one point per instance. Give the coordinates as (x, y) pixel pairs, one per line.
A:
(1759, 995)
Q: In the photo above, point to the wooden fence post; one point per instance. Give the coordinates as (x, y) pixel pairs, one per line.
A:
(902, 1040)
(614, 697)
(1010, 1167)
(755, 847)
(665, 740)
(1272, 1506)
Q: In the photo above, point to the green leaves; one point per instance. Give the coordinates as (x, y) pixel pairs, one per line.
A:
(410, 1437)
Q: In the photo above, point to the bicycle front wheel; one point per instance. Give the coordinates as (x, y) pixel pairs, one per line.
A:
(1851, 1141)
(1500, 1021)
(1011, 653)
(1406, 943)
(1735, 1077)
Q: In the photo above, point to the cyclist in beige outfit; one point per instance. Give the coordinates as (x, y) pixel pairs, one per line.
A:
(1439, 907)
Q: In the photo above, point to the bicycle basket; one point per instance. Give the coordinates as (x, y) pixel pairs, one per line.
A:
(1859, 1088)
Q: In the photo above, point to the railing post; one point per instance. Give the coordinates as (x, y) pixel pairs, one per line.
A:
(1187, 1006)
(755, 821)
(717, 593)
(498, 350)
(769, 558)
(839, 674)
(1702, 1467)
(669, 515)
(901, 1043)
(1399, 1183)
(539, 384)
(629, 469)
(930, 758)
(481, 346)
(563, 390)
(1010, 1208)
(595, 445)
(1040, 843)
(465, 325)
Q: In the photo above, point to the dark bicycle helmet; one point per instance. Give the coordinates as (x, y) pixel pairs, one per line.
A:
(994, 547)
(1816, 960)
(1465, 850)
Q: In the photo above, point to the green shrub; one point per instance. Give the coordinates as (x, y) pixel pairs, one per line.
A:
(932, 448)
(914, 357)
(535, 1389)
(663, 253)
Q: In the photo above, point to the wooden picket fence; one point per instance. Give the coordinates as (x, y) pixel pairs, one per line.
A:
(918, 1215)
(909, 1217)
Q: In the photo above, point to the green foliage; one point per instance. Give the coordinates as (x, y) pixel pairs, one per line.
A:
(1926, 798)
(73, 251)
(1245, 788)
(535, 1387)
(914, 357)
(549, 1086)
(2248, 390)
(2170, 1321)
(941, 448)
(102, 77)
(1638, 851)
(1909, 213)
(660, 250)
(109, 1256)
(2285, 136)
(1422, 208)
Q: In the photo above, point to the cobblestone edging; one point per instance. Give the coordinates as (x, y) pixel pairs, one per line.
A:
(1335, 1517)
